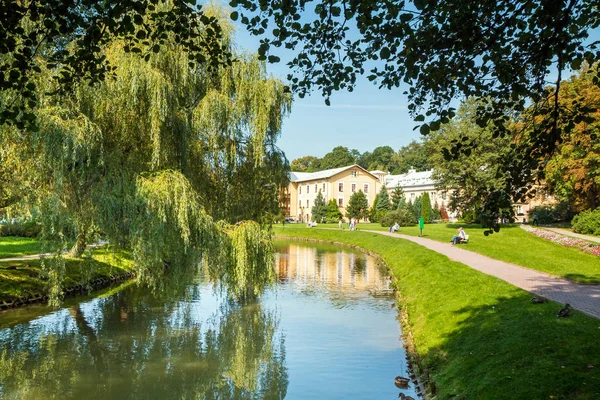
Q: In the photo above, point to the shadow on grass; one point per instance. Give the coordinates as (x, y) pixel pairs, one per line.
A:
(511, 348)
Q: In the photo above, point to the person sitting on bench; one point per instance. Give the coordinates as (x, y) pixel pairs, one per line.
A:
(461, 237)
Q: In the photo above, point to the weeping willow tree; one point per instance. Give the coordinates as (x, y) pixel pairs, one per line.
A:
(154, 156)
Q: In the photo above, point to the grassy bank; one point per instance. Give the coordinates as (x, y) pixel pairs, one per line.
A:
(480, 337)
(25, 278)
(514, 245)
(11, 246)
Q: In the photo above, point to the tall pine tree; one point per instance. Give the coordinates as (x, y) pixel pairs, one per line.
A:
(417, 207)
(397, 197)
(358, 206)
(426, 207)
(383, 200)
(319, 208)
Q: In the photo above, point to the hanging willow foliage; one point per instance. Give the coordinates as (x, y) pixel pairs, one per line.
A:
(151, 158)
(249, 266)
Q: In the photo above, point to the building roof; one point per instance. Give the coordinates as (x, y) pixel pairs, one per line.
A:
(411, 178)
(313, 176)
(378, 172)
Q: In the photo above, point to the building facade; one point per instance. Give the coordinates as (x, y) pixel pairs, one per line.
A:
(415, 184)
(337, 183)
(341, 183)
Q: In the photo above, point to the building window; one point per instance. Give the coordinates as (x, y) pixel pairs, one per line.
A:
(307, 203)
(366, 188)
(353, 188)
(341, 187)
(316, 189)
(412, 196)
(300, 203)
(323, 187)
(299, 189)
(341, 202)
(519, 210)
(307, 189)
(353, 173)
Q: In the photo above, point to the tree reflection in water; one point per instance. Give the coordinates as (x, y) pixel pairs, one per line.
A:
(137, 345)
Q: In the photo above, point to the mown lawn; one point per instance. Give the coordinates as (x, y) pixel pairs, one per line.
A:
(512, 244)
(27, 279)
(11, 246)
(480, 337)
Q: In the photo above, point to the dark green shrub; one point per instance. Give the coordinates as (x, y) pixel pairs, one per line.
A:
(470, 217)
(549, 214)
(587, 222)
(403, 217)
(29, 229)
(544, 215)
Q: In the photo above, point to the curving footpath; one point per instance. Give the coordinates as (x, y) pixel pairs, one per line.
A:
(585, 298)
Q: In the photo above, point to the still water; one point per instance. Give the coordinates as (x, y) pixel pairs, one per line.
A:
(323, 332)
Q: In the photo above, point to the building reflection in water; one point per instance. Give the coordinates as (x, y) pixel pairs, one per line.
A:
(342, 269)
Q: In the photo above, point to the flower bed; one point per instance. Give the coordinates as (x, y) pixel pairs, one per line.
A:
(564, 240)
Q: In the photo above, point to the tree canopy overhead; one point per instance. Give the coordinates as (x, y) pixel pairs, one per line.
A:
(501, 50)
(71, 36)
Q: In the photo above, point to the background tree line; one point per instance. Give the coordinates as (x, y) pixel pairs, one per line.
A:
(480, 179)
(382, 158)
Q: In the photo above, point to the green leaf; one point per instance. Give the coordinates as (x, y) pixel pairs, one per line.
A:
(384, 53)
(424, 129)
(234, 16)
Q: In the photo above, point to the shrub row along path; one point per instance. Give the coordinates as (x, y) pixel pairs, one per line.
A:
(585, 298)
(572, 234)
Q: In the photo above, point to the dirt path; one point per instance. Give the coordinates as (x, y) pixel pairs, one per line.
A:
(585, 298)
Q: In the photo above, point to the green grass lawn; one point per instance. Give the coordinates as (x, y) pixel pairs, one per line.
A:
(11, 246)
(27, 279)
(480, 337)
(512, 244)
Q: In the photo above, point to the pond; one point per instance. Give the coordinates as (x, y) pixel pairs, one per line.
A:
(326, 330)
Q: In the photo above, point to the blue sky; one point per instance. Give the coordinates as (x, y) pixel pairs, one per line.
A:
(363, 119)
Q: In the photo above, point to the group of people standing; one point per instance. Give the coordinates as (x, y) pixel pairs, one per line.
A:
(351, 224)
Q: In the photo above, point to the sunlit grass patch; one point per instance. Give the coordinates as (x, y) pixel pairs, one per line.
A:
(480, 337)
(11, 246)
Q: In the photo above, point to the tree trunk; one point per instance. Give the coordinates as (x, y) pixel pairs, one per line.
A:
(81, 242)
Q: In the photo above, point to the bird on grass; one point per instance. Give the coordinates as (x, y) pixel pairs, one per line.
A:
(401, 382)
(405, 397)
(565, 311)
(538, 300)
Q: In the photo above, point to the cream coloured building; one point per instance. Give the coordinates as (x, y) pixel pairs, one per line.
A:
(340, 183)
(336, 183)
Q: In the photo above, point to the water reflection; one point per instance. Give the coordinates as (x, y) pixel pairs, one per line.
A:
(119, 348)
(320, 333)
(337, 268)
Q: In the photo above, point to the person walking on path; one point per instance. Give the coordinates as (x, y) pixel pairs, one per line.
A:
(341, 224)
